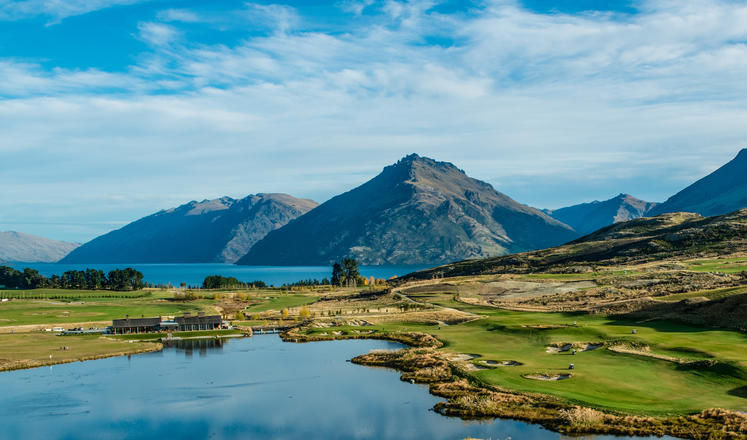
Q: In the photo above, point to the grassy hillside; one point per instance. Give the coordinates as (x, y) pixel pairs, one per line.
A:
(668, 236)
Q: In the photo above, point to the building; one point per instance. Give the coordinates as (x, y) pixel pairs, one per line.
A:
(185, 323)
(188, 322)
(136, 325)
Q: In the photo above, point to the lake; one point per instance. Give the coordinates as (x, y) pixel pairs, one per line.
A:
(194, 274)
(258, 388)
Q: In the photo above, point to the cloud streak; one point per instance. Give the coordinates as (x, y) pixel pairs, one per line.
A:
(55, 10)
(552, 108)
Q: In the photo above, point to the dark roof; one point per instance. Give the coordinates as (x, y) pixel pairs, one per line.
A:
(209, 319)
(136, 322)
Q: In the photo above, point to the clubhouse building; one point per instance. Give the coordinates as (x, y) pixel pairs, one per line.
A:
(185, 323)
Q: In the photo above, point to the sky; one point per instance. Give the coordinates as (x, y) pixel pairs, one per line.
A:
(111, 110)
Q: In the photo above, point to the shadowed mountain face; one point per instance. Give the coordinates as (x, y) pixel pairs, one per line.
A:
(220, 230)
(417, 211)
(588, 217)
(20, 247)
(724, 190)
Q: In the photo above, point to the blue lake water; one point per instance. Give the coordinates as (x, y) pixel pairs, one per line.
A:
(252, 388)
(194, 274)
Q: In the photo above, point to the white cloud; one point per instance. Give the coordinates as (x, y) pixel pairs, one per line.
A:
(355, 6)
(157, 34)
(278, 17)
(551, 108)
(56, 10)
(182, 15)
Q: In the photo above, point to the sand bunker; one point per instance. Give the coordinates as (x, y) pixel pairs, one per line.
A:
(592, 346)
(547, 377)
(558, 348)
(495, 364)
(474, 367)
(567, 346)
(461, 357)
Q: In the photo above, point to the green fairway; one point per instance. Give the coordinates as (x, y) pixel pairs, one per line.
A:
(36, 311)
(25, 350)
(633, 383)
(724, 265)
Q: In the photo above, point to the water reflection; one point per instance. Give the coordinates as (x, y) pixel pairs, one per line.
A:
(202, 346)
(252, 388)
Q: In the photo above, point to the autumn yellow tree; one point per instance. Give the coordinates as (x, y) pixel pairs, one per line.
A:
(304, 313)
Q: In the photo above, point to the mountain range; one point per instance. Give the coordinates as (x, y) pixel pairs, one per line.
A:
(219, 230)
(588, 217)
(722, 191)
(417, 211)
(20, 247)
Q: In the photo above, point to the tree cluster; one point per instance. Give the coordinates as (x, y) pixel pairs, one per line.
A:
(221, 282)
(311, 282)
(346, 273)
(89, 279)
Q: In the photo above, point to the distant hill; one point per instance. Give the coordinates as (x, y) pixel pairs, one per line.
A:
(588, 217)
(219, 230)
(722, 191)
(20, 247)
(417, 211)
(664, 237)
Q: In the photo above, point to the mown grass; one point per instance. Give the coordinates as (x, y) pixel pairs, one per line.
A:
(33, 349)
(73, 295)
(726, 265)
(601, 378)
(28, 312)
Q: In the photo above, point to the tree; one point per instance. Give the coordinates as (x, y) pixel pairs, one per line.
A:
(337, 275)
(304, 313)
(284, 313)
(350, 271)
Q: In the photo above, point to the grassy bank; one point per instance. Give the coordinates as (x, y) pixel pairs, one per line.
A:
(29, 350)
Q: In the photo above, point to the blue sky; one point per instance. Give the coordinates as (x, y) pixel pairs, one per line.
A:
(113, 109)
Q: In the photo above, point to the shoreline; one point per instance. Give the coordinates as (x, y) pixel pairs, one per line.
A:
(469, 399)
(27, 365)
(154, 345)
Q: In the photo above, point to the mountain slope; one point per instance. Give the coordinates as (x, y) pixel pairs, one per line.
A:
(588, 217)
(26, 248)
(417, 211)
(724, 190)
(664, 237)
(219, 230)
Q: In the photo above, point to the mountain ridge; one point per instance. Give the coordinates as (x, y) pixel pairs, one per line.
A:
(26, 248)
(720, 192)
(416, 211)
(590, 216)
(216, 230)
